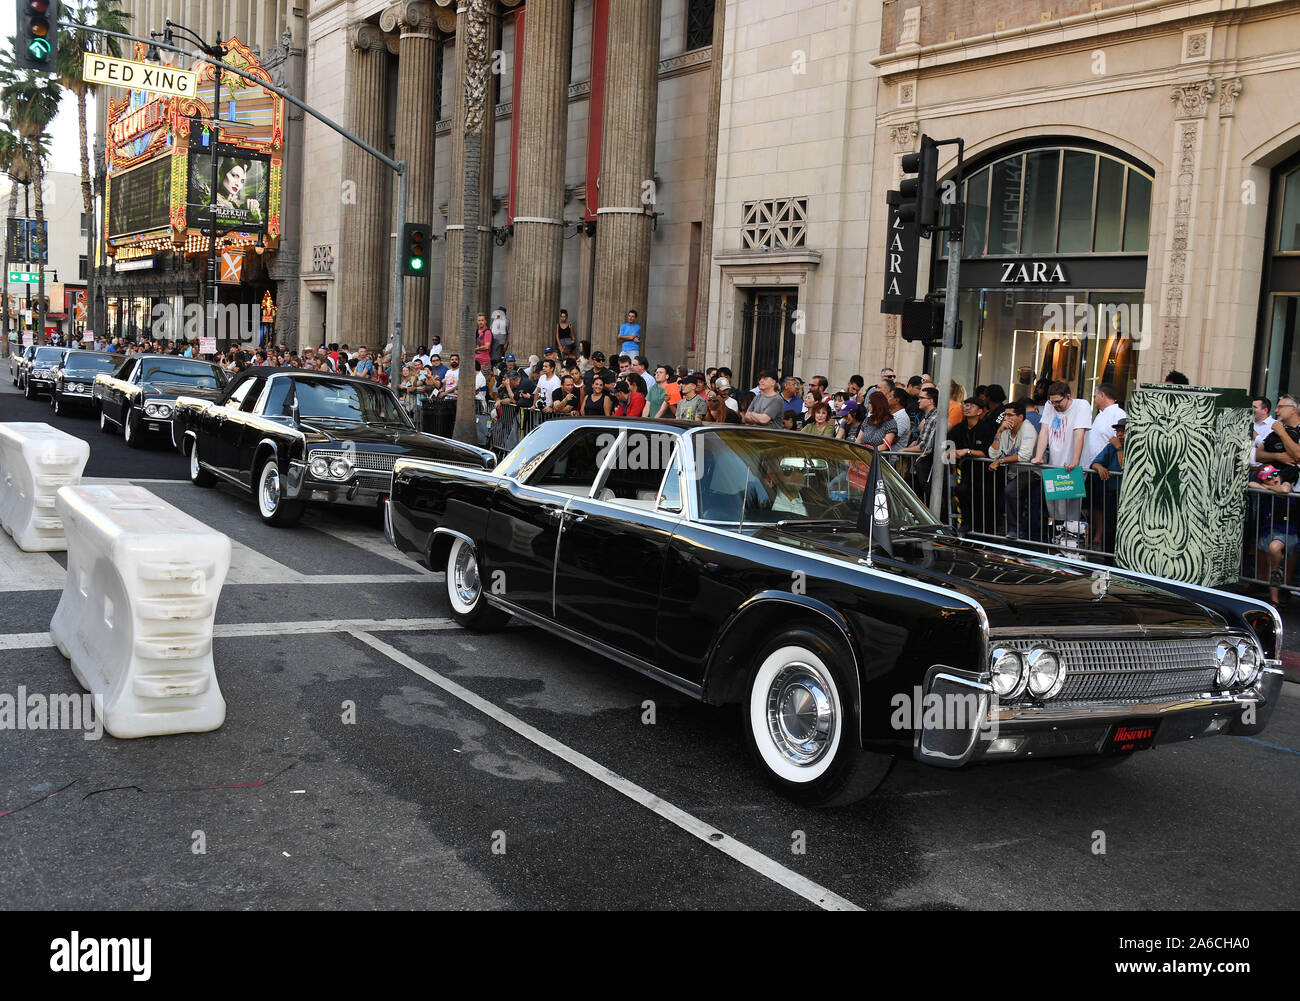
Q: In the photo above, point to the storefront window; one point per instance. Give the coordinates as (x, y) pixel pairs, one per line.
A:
(1041, 174)
(1288, 232)
(1078, 176)
(1137, 215)
(1110, 206)
(1004, 206)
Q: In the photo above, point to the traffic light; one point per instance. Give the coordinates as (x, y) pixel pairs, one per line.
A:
(923, 321)
(38, 35)
(919, 193)
(415, 249)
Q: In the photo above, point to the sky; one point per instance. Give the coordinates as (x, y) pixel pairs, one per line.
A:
(63, 130)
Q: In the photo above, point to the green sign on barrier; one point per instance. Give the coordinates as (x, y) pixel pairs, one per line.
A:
(1060, 485)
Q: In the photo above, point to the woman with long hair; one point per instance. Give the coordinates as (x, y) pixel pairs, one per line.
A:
(598, 403)
(878, 427)
(956, 393)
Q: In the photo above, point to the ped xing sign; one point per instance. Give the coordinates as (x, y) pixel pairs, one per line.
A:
(139, 76)
(22, 277)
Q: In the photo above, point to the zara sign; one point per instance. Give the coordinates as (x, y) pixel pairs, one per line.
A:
(1033, 273)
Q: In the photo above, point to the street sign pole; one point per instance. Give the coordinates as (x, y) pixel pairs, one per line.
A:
(957, 221)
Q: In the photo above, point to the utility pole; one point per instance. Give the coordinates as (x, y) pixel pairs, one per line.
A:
(956, 224)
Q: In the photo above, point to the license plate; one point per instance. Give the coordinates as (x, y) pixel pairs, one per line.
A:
(1131, 736)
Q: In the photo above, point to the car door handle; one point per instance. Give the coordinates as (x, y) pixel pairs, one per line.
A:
(554, 512)
(576, 516)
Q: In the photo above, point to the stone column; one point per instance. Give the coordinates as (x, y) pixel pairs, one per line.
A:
(542, 104)
(363, 276)
(627, 162)
(416, 79)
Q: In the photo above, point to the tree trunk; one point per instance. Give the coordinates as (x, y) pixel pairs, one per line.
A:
(37, 180)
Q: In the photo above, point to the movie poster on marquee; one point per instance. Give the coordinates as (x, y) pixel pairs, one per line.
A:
(242, 193)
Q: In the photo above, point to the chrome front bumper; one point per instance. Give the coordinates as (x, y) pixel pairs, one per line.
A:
(981, 730)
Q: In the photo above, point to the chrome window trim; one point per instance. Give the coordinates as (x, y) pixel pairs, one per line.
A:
(602, 474)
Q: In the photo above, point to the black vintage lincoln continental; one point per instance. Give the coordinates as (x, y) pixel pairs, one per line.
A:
(729, 564)
(140, 397)
(291, 436)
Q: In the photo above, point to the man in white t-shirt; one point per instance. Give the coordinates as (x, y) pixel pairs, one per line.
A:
(1064, 427)
(451, 379)
(548, 383)
(1109, 413)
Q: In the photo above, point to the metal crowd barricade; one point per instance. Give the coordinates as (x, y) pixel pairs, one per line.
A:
(1009, 502)
(1271, 541)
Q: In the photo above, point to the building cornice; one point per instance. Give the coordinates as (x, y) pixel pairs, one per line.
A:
(1132, 21)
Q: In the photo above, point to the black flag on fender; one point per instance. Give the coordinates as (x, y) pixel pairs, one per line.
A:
(873, 514)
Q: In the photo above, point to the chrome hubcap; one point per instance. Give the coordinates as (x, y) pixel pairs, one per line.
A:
(800, 714)
(194, 461)
(465, 576)
(270, 489)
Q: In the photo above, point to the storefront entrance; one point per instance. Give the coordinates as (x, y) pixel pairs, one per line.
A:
(1053, 271)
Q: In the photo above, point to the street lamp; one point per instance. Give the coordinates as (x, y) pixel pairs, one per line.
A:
(217, 52)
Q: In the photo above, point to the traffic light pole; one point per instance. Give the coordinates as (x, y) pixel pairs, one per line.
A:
(395, 369)
(957, 222)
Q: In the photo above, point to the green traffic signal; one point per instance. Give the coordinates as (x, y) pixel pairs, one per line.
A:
(39, 47)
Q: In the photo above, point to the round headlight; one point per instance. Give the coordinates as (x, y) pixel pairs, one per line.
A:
(1248, 662)
(163, 410)
(1046, 673)
(1225, 658)
(78, 387)
(340, 469)
(320, 468)
(151, 410)
(1008, 674)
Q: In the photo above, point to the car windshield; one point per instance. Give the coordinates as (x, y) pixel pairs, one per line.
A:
(337, 399)
(48, 354)
(90, 363)
(763, 477)
(200, 375)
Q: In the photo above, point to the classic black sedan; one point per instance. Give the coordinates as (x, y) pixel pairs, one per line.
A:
(74, 379)
(140, 397)
(37, 375)
(729, 564)
(19, 358)
(291, 437)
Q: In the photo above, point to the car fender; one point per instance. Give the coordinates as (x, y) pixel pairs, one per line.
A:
(727, 671)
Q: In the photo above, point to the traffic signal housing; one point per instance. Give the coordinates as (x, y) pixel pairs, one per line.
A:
(919, 200)
(37, 40)
(415, 249)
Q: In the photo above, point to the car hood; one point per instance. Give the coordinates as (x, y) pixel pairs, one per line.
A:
(380, 439)
(176, 389)
(1014, 590)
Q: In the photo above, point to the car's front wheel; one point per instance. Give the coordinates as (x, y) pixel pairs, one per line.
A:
(272, 505)
(800, 725)
(104, 421)
(469, 605)
(27, 390)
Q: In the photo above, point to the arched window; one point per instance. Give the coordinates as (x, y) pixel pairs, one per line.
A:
(1058, 200)
(1288, 228)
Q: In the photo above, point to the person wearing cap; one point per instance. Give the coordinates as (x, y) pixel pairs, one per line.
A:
(692, 405)
(850, 421)
(1014, 446)
(722, 391)
(597, 369)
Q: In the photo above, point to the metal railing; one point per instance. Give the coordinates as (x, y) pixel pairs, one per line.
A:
(1271, 541)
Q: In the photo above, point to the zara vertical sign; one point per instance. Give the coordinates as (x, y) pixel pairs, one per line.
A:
(900, 261)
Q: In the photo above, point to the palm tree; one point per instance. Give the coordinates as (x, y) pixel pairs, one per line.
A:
(30, 102)
(73, 45)
(477, 117)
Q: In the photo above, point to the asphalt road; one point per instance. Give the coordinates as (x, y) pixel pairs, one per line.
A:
(517, 770)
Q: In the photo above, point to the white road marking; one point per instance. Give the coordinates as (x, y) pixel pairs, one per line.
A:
(20, 571)
(692, 825)
(236, 630)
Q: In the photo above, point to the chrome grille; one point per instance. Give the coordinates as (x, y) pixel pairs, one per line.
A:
(1129, 670)
(381, 462)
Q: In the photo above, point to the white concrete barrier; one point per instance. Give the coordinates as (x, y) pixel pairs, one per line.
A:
(35, 461)
(137, 609)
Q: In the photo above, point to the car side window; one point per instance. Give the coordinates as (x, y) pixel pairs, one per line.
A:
(127, 370)
(236, 399)
(670, 491)
(275, 402)
(637, 470)
(252, 396)
(572, 467)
